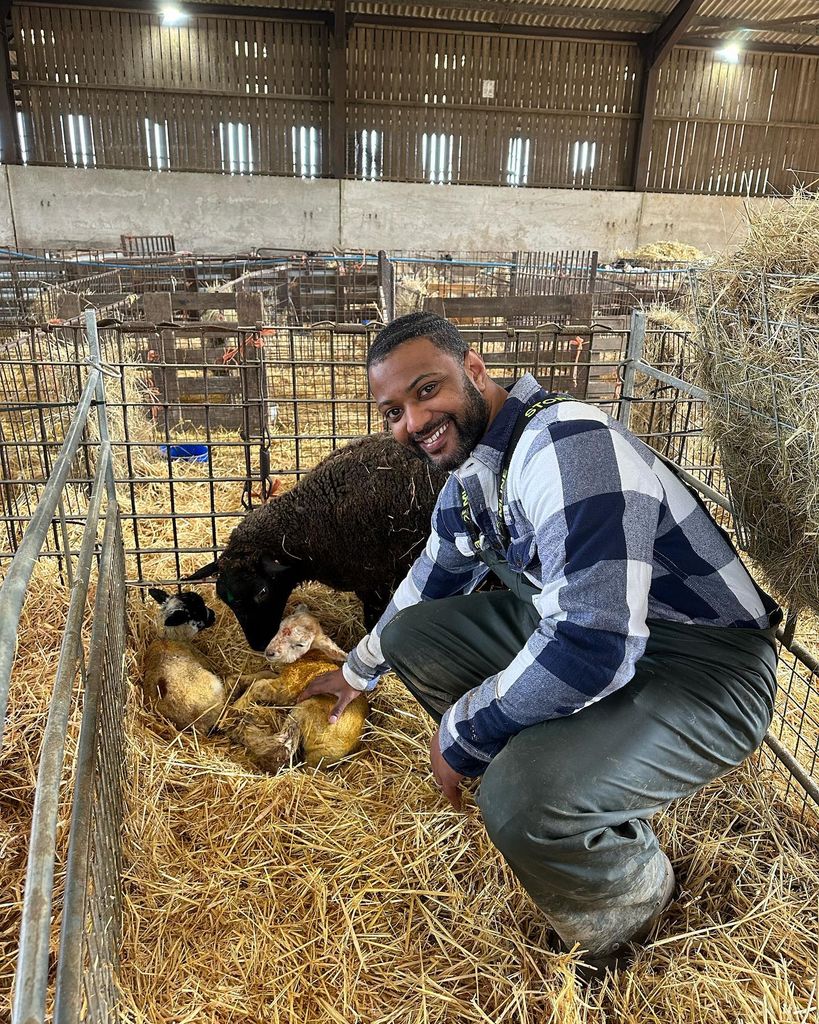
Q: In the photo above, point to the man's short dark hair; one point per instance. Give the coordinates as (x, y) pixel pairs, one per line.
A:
(440, 332)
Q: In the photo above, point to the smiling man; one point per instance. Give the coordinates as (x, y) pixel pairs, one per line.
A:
(629, 661)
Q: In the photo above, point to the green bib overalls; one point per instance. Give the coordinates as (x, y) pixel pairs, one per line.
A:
(568, 802)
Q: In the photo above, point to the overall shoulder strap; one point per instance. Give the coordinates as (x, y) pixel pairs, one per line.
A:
(540, 401)
(536, 405)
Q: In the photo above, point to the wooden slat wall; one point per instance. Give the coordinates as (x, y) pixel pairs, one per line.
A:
(736, 129)
(748, 128)
(554, 93)
(118, 68)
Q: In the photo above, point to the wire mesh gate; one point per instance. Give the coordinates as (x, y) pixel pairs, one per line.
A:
(90, 936)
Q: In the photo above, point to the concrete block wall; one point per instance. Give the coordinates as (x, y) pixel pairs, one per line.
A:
(214, 213)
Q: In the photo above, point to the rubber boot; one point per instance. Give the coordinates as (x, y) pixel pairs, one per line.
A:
(606, 930)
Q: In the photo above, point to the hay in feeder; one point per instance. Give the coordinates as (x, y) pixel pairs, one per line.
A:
(668, 346)
(759, 329)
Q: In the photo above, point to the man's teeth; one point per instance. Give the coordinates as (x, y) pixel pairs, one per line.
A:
(434, 437)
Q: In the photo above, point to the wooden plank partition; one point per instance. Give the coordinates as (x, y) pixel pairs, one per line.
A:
(119, 89)
(224, 93)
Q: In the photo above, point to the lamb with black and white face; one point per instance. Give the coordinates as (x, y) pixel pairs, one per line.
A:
(181, 616)
(178, 682)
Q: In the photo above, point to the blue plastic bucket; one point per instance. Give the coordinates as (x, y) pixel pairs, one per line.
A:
(186, 452)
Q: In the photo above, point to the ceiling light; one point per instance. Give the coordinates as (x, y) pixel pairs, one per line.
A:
(729, 53)
(172, 15)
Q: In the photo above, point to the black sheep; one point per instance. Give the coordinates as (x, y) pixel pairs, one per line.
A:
(357, 521)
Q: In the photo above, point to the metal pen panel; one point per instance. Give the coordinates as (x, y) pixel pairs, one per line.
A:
(92, 905)
(13, 592)
(32, 965)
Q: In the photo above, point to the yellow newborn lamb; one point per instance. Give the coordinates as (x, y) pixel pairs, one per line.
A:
(304, 651)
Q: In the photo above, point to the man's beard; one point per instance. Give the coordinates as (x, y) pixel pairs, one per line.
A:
(470, 426)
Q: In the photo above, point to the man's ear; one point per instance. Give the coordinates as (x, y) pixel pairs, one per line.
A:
(475, 369)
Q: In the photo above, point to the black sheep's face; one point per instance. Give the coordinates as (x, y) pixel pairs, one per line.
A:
(258, 600)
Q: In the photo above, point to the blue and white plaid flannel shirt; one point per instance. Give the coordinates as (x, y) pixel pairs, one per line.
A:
(609, 535)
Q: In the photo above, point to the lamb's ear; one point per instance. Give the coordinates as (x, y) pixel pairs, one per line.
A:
(301, 608)
(160, 596)
(209, 571)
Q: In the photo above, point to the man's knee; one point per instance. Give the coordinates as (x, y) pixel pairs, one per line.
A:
(402, 632)
(524, 803)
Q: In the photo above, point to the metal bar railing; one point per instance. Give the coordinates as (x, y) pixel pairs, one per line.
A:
(13, 592)
(95, 359)
(31, 980)
(71, 957)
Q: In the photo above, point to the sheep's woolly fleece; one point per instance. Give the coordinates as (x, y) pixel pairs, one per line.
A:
(359, 895)
(353, 485)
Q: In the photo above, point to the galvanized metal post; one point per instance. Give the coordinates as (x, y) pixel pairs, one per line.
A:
(634, 354)
(31, 978)
(95, 356)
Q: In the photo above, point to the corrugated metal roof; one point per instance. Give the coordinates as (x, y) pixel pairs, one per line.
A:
(790, 22)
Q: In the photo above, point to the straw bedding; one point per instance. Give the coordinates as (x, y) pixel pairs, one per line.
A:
(759, 329)
(357, 894)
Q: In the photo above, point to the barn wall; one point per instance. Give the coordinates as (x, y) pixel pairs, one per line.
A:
(215, 213)
(117, 89)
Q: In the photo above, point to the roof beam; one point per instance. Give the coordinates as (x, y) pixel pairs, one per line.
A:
(493, 28)
(750, 46)
(229, 10)
(512, 8)
(655, 49)
(801, 23)
(658, 45)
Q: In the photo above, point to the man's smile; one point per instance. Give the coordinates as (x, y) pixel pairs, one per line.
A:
(436, 439)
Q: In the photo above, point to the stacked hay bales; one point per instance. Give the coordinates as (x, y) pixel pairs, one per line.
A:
(758, 314)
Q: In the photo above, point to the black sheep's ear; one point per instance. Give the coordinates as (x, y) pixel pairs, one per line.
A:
(210, 617)
(160, 596)
(206, 572)
(270, 565)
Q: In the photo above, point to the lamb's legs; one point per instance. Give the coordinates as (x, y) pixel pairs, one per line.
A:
(260, 688)
(268, 749)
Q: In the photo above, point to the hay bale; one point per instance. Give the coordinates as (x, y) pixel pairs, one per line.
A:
(758, 314)
(663, 252)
